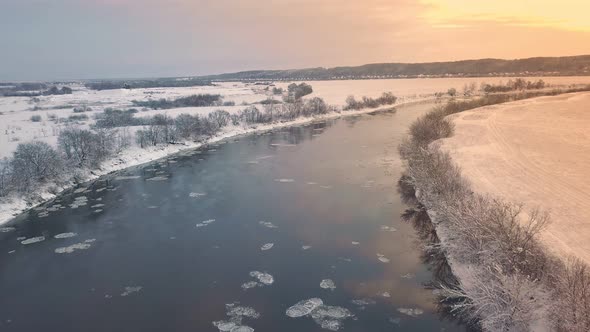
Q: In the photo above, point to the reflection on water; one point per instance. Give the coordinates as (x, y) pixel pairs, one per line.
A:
(202, 240)
(416, 214)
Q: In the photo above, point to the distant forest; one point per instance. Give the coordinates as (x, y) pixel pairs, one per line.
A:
(548, 66)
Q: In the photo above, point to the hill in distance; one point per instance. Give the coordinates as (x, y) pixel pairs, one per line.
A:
(539, 66)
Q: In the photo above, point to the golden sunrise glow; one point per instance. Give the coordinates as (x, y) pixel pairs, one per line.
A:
(567, 14)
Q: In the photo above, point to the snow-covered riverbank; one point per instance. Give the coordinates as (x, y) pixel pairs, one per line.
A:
(134, 156)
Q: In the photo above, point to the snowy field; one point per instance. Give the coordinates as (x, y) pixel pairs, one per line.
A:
(16, 112)
(17, 126)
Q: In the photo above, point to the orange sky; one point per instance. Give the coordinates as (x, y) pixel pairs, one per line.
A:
(129, 38)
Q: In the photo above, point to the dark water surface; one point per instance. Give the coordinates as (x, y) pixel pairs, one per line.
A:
(325, 186)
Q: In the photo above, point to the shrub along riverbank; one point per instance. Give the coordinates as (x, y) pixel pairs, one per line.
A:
(37, 169)
(507, 281)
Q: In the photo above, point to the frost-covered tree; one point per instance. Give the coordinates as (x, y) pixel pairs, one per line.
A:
(35, 162)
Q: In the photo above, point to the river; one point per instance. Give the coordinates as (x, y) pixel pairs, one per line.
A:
(234, 235)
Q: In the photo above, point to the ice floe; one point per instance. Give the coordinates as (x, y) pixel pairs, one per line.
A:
(236, 314)
(197, 195)
(362, 303)
(158, 178)
(267, 246)
(64, 235)
(285, 180)
(408, 276)
(263, 277)
(327, 317)
(413, 312)
(382, 258)
(127, 177)
(305, 247)
(250, 284)
(6, 229)
(328, 284)
(205, 223)
(33, 240)
(355, 243)
(131, 289)
(95, 206)
(72, 248)
(388, 228)
(267, 224)
(385, 294)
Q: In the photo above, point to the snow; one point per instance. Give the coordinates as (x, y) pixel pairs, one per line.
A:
(15, 124)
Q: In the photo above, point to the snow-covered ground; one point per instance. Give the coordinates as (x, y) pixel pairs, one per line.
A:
(16, 125)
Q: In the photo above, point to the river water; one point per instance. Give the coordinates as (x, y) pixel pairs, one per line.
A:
(193, 240)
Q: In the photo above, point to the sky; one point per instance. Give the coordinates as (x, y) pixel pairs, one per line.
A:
(78, 39)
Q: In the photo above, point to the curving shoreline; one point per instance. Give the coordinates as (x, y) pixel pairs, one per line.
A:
(135, 156)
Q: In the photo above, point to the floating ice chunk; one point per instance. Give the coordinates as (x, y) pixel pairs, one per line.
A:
(362, 303)
(312, 183)
(6, 229)
(385, 294)
(285, 180)
(72, 248)
(79, 190)
(238, 311)
(152, 207)
(20, 238)
(408, 276)
(263, 278)
(355, 243)
(196, 195)
(382, 258)
(96, 206)
(328, 317)
(131, 289)
(413, 312)
(97, 211)
(242, 328)
(305, 247)
(224, 326)
(127, 177)
(64, 235)
(326, 187)
(388, 228)
(263, 157)
(158, 178)
(101, 189)
(33, 240)
(250, 284)
(12, 251)
(205, 223)
(89, 240)
(278, 144)
(267, 246)
(328, 284)
(303, 308)
(267, 224)
(395, 321)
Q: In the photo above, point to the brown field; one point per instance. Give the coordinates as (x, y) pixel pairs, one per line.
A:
(535, 152)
